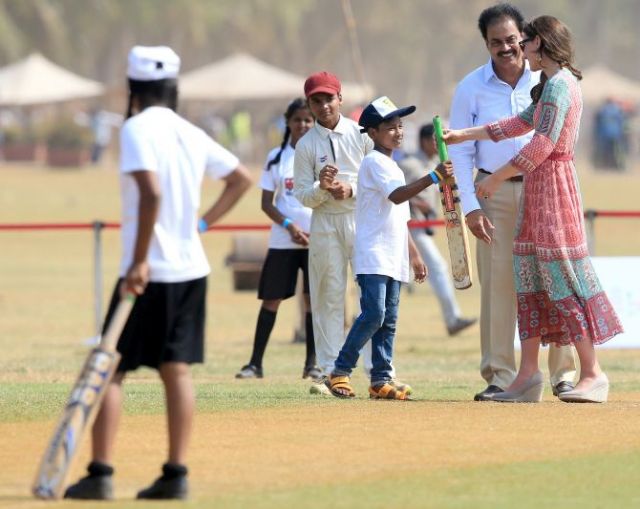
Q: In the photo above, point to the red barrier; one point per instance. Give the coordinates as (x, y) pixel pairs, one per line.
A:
(589, 214)
(218, 227)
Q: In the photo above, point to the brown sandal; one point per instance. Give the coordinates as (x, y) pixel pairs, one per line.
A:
(338, 383)
(402, 387)
(387, 391)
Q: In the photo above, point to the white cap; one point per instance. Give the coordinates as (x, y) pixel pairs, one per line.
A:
(152, 63)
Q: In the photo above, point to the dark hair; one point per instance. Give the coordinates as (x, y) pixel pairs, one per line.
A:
(556, 42)
(426, 131)
(152, 93)
(298, 103)
(496, 12)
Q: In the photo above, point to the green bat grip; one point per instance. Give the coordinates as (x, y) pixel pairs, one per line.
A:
(442, 146)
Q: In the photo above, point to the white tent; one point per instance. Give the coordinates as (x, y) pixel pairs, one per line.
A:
(599, 83)
(241, 76)
(36, 80)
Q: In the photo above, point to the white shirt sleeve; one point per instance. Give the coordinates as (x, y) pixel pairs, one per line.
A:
(269, 177)
(463, 155)
(136, 150)
(305, 186)
(220, 162)
(383, 178)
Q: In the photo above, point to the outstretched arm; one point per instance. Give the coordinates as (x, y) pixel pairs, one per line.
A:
(455, 136)
(406, 192)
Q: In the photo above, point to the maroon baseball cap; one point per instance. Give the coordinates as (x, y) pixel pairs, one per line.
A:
(322, 83)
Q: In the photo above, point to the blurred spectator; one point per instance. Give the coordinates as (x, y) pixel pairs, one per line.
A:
(240, 134)
(610, 131)
(101, 123)
(424, 206)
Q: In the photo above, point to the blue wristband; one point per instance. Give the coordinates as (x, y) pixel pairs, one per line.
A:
(434, 177)
(202, 226)
(286, 222)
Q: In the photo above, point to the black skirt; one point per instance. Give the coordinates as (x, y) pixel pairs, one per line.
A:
(280, 273)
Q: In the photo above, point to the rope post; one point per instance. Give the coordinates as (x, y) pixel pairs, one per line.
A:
(590, 216)
(97, 274)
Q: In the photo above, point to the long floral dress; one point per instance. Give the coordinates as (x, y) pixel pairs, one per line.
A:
(559, 295)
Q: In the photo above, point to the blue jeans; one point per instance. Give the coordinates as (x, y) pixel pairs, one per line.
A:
(379, 300)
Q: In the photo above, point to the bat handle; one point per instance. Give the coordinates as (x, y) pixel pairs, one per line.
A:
(442, 146)
(117, 323)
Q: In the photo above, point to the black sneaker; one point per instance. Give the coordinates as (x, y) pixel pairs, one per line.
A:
(98, 485)
(173, 484)
(249, 371)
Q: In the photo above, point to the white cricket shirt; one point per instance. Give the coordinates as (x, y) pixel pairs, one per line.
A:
(382, 236)
(279, 179)
(344, 147)
(159, 140)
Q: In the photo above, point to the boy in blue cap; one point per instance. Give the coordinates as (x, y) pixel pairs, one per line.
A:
(383, 250)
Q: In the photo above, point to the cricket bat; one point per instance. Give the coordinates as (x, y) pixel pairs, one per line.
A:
(81, 408)
(457, 238)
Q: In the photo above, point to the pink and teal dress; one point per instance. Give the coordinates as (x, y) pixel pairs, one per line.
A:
(559, 295)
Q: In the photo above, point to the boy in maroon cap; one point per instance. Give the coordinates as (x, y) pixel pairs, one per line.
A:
(326, 166)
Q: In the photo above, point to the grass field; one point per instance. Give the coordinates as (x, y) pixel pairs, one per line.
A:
(268, 443)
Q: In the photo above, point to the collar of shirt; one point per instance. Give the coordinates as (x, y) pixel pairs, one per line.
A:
(489, 72)
(340, 128)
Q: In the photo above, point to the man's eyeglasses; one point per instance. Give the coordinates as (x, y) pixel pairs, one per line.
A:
(523, 42)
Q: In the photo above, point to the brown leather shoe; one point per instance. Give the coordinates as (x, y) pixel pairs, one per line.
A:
(561, 387)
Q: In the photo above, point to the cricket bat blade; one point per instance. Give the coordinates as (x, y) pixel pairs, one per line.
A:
(457, 238)
(81, 408)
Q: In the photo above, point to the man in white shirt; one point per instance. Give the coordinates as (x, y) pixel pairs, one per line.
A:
(496, 90)
(163, 161)
(334, 144)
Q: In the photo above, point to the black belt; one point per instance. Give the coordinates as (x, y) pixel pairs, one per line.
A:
(517, 178)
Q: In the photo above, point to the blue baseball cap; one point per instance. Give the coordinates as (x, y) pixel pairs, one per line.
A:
(380, 110)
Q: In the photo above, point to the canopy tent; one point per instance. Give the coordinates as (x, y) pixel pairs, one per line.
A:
(36, 80)
(599, 83)
(241, 77)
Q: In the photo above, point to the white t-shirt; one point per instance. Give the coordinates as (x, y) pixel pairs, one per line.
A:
(279, 179)
(381, 245)
(159, 140)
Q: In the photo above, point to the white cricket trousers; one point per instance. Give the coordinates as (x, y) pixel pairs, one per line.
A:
(330, 253)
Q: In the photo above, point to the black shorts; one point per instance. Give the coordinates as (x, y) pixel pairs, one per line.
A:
(166, 325)
(280, 273)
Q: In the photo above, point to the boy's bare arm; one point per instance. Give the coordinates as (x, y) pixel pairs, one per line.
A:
(137, 276)
(236, 184)
(404, 193)
(420, 271)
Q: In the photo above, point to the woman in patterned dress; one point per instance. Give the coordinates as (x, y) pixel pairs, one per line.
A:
(560, 299)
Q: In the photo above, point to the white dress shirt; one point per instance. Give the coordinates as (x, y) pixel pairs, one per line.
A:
(481, 98)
